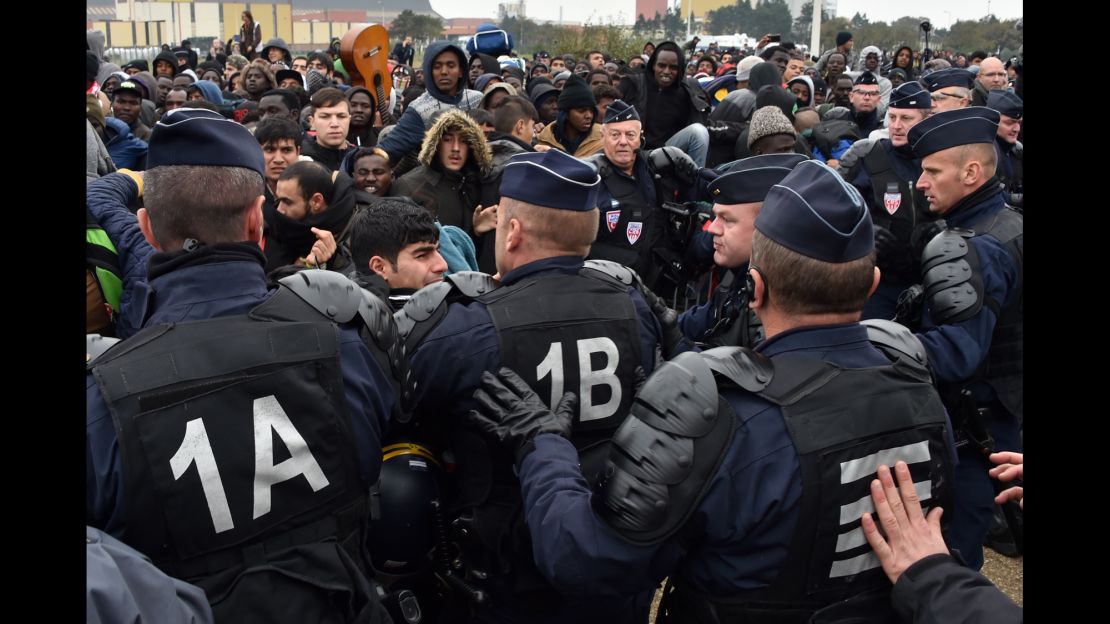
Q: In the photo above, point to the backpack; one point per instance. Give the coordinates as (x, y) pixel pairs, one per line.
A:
(830, 132)
(489, 40)
(103, 271)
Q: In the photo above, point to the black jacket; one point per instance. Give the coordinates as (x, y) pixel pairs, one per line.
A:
(937, 589)
(287, 240)
(634, 90)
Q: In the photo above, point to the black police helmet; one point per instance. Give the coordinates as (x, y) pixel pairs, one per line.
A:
(402, 533)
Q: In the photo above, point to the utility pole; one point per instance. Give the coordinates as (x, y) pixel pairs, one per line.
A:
(815, 34)
(689, 19)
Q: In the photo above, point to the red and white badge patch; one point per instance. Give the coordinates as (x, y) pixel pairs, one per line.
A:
(635, 228)
(892, 201)
(612, 218)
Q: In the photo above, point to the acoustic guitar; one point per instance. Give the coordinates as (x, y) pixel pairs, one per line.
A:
(365, 54)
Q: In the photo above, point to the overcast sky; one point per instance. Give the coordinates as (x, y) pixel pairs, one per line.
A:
(941, 12)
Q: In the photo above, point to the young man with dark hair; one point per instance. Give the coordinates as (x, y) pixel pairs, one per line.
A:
(127, 102)
(445, 83)
(331, 119)
(279, 103)
(280, 139)
(314, 206)
(513, 129)
(673, 108)
(321, 63)
(605, 95)
(362, 132)
(574, 130)
(369, 168)
(399, 241)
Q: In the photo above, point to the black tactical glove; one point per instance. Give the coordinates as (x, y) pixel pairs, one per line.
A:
(908, 308)
(511, 412)
(924, 233)
(891, 253)
(672, 339)
(671, 160)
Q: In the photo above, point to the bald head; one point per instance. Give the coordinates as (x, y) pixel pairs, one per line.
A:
(992, 74)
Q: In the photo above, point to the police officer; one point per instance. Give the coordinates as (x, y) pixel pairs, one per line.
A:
(885, 174)
(737, 197)
(1011, 171)
(233, 439)
(950, 88)
(742, 475)
(567, 326)
(972, 324)
(634, 186)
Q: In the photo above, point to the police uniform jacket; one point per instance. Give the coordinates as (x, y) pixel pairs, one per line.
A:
(956, 350)
(187, 286)
(743, 526)
(449, 362)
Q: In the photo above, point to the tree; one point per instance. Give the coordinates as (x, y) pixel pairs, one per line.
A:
(419, 27)
(770, 17)
(674, 26)
(803, 26)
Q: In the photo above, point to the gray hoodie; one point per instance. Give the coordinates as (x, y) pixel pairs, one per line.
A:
(808, 82)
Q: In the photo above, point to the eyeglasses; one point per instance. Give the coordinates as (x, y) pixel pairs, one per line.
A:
(994, 75)
(866, 93)
(941, 96)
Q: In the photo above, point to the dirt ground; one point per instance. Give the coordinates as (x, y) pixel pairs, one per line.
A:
(1005, 572)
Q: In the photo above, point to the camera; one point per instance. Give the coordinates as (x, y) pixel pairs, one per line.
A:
(926, 26)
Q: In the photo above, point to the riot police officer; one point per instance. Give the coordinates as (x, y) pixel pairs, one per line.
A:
(635, 186)
(233, 439)
(566, 324)
(885, 174)
(737, 198)
(742, 475)
(1011, 170)
(972, 324)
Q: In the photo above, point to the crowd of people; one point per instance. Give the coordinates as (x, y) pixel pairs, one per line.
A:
(529, 336)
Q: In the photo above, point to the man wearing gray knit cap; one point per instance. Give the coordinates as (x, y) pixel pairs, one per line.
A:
(233, 440)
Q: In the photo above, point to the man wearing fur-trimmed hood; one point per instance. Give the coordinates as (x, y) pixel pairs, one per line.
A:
(454, 162)
(445, 80)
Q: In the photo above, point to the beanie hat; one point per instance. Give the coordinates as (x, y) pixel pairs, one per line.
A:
(843, 37)
(576, 94)
(768, 121)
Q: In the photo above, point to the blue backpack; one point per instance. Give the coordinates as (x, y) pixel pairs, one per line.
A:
(489, 39)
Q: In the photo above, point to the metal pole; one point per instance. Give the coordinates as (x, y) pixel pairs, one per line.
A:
(815, 33)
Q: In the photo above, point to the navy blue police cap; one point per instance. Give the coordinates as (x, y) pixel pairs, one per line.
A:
(553, 179)
(1009, 104)
(748, 180)
(949, 77)
(910, 95)
(865, 78)
(814, 212)
(196, 136)
(961, 126)
(619, 111)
